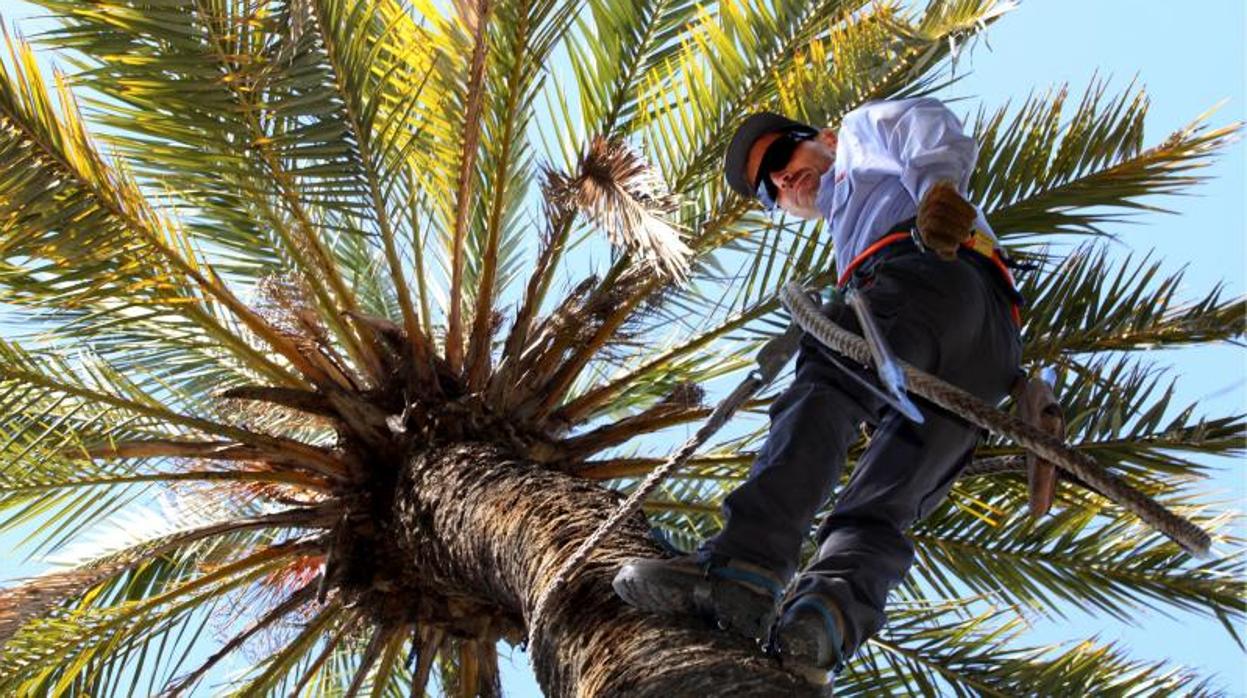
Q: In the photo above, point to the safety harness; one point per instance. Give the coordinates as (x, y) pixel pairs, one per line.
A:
(980, 245)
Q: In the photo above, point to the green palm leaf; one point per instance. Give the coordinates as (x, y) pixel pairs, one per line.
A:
(934, 651)
(1039, 175)
(1088, 304)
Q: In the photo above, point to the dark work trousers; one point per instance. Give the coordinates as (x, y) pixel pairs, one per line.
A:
(949, 318)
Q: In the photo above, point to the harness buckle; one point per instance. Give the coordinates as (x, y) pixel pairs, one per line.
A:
(917, 238)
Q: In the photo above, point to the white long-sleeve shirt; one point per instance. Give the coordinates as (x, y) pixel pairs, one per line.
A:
(888, 155)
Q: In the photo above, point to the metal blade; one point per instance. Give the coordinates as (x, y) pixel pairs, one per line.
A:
(871, 387)
(886, 366)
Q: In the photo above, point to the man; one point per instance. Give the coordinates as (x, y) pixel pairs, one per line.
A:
(890, 185)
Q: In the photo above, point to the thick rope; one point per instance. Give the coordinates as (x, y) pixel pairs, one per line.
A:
(1191, 537)
(776, 353)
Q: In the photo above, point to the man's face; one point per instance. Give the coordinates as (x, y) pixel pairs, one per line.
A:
(798, 181)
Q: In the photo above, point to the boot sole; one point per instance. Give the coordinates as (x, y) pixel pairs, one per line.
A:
(669, 592)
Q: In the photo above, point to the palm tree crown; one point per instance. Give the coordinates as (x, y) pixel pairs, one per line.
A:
(305, 243)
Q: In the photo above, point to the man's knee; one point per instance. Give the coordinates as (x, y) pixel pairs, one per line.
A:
(868, 539)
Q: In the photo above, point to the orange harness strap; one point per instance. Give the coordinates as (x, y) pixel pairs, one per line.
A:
(891, 238)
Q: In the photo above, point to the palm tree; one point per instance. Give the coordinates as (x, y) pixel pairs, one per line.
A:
(309, 358)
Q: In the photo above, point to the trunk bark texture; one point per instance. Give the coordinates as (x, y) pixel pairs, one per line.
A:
(496, 529)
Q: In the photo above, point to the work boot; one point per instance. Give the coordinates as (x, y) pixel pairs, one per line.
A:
(732, 594)
(809, 638)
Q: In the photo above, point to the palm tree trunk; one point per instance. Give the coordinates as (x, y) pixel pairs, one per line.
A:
(497, 529)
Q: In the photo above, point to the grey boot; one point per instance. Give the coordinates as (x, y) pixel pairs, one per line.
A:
(809, 639)
(733, 594)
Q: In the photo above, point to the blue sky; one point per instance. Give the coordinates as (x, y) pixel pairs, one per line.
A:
(1190, 56)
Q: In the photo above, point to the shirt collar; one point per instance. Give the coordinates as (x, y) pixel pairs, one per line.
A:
(826, 186)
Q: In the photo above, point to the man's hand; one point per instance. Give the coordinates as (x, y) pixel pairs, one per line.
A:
(945, 220)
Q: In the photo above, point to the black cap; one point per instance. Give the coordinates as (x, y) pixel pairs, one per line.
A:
(737, 156)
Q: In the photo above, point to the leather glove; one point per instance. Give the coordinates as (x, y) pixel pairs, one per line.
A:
(945, 220)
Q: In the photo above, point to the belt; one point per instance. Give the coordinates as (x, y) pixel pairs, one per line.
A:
(979, 246)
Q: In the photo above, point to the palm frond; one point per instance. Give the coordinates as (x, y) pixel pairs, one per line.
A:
(40, 374)
(465, 182)
(609, 59)
(1079, 558)
(622, 195)
(1086, 303)
(37, 596)
(729, 63)
(314, 672)
(259, 155)
(934, 651)
(372, 652)
(57, 412)
(80, 645)
(60, 201)
(291, 604)
(612, 51)
(366, 63)
(1088, 555)
(527, 31)
(273, 671)
(1121, 410)
(1038, 175)
(654, 371)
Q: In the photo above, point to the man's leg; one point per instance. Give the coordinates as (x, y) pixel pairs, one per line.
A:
(737, 577)
(863, 551)
(907, 468)
(768, 516)
(813, 423)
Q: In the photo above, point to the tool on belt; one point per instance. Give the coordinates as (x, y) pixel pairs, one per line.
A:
(1038, 406)
(887, 369)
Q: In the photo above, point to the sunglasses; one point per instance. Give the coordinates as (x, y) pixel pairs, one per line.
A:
(776, 158)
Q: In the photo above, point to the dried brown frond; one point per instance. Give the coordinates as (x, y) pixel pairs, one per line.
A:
(250, 492)
(477, 22)
(622, 349)
(20, 603)
(538, 359)
(622, 194)
(300, 572)
(269, 418)
(469, 12)
(276, 619)
(656, 417)
(285, 302)
(553, 239)
(425, 646)
(42, 593)
(274, 590)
